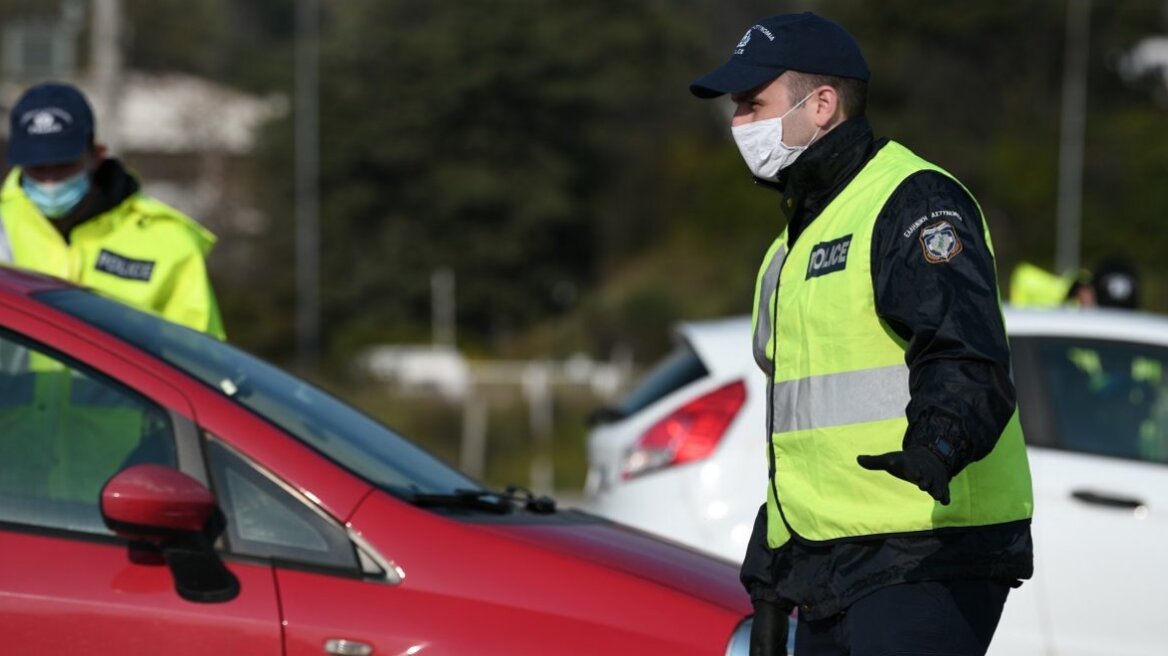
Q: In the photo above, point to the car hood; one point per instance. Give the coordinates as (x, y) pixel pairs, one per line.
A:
(636, 553)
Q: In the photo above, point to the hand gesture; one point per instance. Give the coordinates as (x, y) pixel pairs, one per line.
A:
(918, 466)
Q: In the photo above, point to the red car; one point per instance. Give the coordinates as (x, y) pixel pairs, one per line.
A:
(165, 493)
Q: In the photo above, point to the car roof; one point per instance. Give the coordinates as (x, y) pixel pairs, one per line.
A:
(719, 343)
(1124, 325)
(713, 340)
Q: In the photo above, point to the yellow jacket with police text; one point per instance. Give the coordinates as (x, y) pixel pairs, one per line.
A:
(141, 252)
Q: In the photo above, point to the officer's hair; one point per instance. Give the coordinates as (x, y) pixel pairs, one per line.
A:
(853, 93)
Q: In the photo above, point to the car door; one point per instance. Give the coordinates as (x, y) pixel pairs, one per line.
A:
(1098, 418)
(72, 415)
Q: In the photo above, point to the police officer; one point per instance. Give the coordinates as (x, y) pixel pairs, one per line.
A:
(1114, 283)
(69, 211)
(899, 502)
(1033, 286)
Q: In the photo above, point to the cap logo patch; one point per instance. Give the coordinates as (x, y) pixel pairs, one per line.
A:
(49, 120)
(742, 44)
(940, 242)
(1119, 286)
(741, 47)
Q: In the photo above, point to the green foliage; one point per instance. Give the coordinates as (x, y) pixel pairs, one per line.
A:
(244, 43)
(437, 426)
(480, 139)
(550, 154)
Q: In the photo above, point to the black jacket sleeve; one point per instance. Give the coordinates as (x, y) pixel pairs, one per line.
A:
(935, 286)
(760, 564)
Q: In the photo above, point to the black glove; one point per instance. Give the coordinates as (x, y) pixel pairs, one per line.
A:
(917, 465)
(768, 634)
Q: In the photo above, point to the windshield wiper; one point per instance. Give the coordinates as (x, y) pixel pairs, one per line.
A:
(466, 499)
(483, 499)
(542, 504)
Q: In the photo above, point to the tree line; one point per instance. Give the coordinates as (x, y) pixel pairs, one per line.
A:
(550, 155)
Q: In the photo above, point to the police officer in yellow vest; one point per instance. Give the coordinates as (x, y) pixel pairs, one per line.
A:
(1033, 286)
(69, 211)
(899, 502)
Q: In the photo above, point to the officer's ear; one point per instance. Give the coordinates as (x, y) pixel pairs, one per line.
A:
(95, 155)
(825, 101)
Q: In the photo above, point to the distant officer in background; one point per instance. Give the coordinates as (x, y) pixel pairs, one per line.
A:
(1033, 286)
(69, 211)
(1114, 283)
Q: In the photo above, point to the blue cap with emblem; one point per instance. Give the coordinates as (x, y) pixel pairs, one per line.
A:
(52, 123)
(789, 42)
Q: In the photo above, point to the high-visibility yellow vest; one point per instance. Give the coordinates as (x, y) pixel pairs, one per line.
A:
(841, 383)
(142, 252)
(1032, 286)
(62, 434)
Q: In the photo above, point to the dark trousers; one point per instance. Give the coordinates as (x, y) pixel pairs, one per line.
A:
(931, 618)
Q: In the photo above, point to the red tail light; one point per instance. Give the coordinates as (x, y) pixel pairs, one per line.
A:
(689, 433)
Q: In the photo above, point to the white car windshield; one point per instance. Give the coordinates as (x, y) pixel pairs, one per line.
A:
(336, 430)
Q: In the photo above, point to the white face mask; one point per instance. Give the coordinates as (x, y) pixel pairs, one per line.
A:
(761, 145)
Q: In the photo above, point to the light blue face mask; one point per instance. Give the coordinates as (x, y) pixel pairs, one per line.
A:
(56, 199)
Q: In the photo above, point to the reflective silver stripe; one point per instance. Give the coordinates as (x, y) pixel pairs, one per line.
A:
(851, 397)
(5, 247)
(762, 333)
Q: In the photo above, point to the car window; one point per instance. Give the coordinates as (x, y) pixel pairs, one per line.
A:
(1106, 397)
(64, 431)
(264, 520)
(676, 370)
(341, 433)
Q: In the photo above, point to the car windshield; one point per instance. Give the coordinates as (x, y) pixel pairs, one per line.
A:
(336, 430)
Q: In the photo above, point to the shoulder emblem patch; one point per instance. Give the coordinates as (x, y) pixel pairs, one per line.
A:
(940, 242)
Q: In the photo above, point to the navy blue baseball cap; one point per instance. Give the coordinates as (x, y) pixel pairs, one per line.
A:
(52, 123)
(788, 42)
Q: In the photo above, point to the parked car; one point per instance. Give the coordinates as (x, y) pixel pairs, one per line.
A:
(162, 492)
(682, 456)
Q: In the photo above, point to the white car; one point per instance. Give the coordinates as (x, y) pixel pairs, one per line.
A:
(683, 456)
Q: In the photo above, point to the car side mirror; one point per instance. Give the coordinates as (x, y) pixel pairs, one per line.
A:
(175, 513)
(155, 503)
